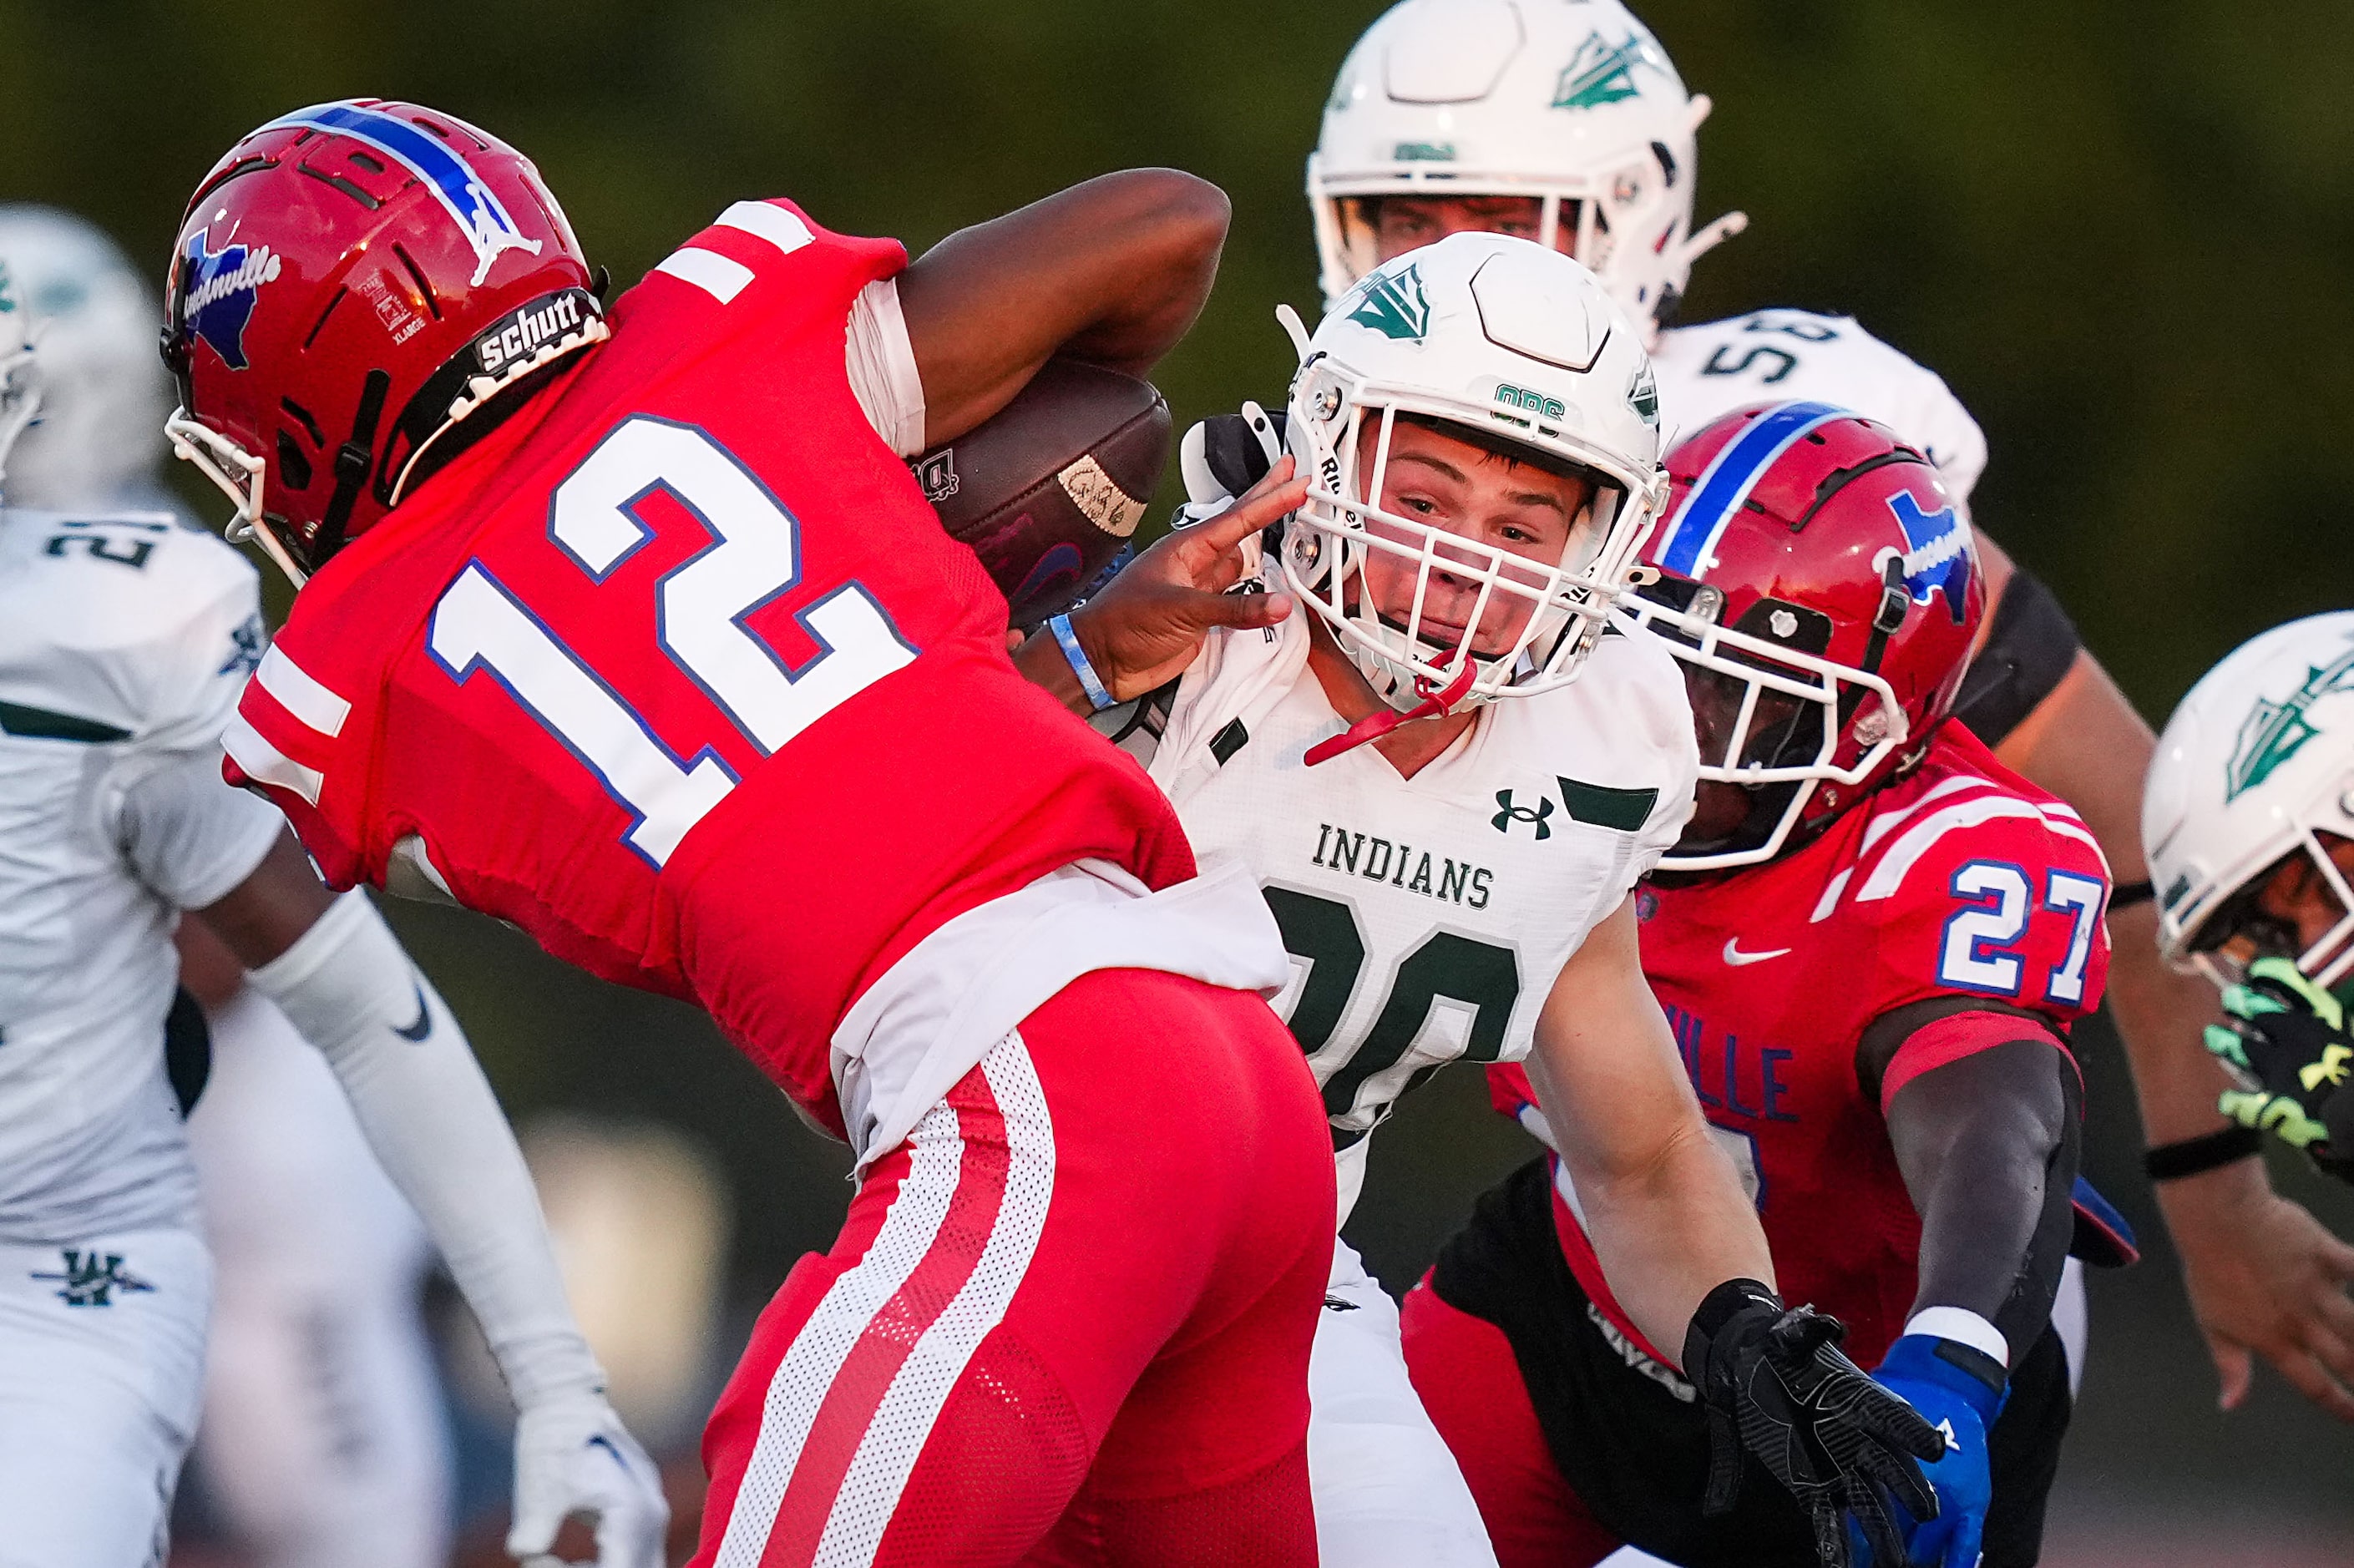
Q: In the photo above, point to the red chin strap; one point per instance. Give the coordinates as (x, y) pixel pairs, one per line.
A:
(1435, 704)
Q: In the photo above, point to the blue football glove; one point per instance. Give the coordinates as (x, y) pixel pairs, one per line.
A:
(1959, 1391)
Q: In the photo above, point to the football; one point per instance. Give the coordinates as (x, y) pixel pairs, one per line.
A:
(1048, 489)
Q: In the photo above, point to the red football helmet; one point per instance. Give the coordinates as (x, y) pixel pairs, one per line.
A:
(351, 282)
(1822, 590)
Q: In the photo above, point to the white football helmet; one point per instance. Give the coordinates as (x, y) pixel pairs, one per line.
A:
(20, 392)
(1572, 101)
(1504, 340)
(103, 392)
(2256, 761)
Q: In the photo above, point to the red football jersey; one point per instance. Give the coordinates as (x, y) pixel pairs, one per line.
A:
(678, 672)
(1961, 879)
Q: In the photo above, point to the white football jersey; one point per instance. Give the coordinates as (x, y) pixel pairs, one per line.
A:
(124, 641)
(1427, 918)
(1708, 370)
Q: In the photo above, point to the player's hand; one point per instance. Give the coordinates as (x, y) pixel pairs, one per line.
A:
(2265, 1279)
(574, 1456)
(1143, 629)
(1953, 1393)
(1776, 1384)
(2284, 1039)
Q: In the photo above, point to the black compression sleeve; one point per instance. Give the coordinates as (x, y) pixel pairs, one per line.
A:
(1988, 1146)
(2028, 650)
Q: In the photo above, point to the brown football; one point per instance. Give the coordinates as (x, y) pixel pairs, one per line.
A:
(1049, 488)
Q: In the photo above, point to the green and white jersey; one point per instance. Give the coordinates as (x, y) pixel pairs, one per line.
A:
(124, 641)
(1427, 918)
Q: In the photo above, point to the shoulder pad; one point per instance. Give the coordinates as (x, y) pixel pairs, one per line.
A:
(1724, 364)
(1976, 888)
(1966, 817)
(135, 620)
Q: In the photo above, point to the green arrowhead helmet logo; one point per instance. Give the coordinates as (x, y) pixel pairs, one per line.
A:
(1603, 72)
(1392, 304)
(2275, 731)
(7, 295)
(1643, 397)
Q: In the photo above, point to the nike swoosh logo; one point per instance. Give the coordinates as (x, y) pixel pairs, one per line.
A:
(418, 1031)
(1736, 958)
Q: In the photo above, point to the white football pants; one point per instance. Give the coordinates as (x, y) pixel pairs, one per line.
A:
(1388, 1491)
(2067, 1316)
(324, 1444)
(101, 1370)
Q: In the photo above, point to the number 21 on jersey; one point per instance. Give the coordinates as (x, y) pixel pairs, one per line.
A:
(754, 556)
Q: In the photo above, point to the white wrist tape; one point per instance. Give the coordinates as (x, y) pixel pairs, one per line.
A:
(1964, 1327)
(430, 1117)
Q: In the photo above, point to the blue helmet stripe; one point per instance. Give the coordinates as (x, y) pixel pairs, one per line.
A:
(1726, 482)
(478, 212)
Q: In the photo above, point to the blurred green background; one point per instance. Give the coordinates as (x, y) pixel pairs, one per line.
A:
(2121, 234)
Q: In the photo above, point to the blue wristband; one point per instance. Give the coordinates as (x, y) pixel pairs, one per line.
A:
(1089, 682)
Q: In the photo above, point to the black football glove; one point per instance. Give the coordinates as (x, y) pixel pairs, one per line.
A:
(2285, 1040)
(1774, 1383)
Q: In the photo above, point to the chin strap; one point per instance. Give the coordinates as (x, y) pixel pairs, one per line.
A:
(1435, 704)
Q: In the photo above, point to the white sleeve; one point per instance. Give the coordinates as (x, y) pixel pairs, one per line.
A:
(1662, 723)
(185, 833)
(882, 363)
(430, 1115)
(1669, 816)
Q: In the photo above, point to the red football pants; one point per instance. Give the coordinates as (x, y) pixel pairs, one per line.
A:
(1066, 1322)
(1469, 1382)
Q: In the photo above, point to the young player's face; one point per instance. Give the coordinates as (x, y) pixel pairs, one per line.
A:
(1401, 224)
(1456, 488)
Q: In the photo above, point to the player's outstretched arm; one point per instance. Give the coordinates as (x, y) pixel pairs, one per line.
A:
(2265, 1278)
(1988, 1146)
(1683, 1252)
(1112, 271)
(340, 976)
(1662, 1201)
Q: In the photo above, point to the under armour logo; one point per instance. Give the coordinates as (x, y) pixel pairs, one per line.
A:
(90, 1279)
(1511, 813)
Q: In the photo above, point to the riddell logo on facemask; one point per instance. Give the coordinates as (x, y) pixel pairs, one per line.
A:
(520, 334)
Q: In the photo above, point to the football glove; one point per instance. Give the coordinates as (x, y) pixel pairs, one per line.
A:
(1959, 1390)
(1774, 1383)
(572, 1455)
(2284, 1039)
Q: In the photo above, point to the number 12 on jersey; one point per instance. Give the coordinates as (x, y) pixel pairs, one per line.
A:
(755, 554)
